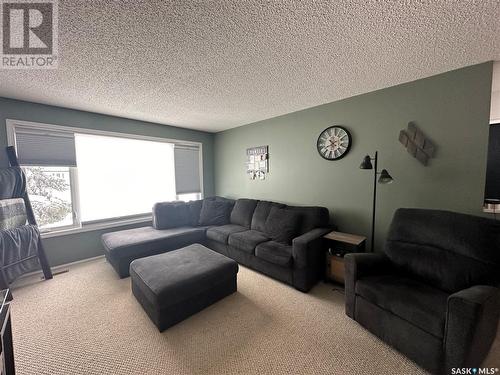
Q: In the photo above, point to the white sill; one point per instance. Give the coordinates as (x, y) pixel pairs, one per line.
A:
(492, 208)
(96, 226)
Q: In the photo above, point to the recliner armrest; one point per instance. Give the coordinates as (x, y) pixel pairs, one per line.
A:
(307, 242)
(358, 265)
(471, 324)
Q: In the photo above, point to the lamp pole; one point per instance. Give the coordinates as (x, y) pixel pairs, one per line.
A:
(385, 178)
(372, 243)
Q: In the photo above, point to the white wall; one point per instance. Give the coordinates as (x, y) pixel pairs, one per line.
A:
(495, 93)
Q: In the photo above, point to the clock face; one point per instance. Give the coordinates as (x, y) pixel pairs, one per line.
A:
(334, 143)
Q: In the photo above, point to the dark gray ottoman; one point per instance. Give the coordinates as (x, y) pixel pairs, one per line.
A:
(175, 285)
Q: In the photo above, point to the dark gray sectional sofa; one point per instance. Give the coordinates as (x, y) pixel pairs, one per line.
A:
(284, 242)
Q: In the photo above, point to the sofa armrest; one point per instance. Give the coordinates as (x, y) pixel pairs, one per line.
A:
(471, 325)
(356, 266)
(307, 243)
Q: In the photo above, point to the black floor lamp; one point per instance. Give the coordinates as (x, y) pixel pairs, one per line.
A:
(385, 178)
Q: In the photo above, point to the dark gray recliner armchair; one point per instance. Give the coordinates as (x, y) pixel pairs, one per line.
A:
(433, 294)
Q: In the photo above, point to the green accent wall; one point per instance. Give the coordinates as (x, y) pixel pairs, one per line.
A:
(73, 247)
(452, 109)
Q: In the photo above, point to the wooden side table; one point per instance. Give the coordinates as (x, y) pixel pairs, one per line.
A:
(340, 244)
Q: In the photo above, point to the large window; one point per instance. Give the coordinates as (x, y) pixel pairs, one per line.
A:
(78, 178)
(122, 177)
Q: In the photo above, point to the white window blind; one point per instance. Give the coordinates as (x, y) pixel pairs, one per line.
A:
(187, 169)
(45, 148)
(120, 177)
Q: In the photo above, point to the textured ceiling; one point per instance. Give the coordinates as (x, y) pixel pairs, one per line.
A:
(213, 65)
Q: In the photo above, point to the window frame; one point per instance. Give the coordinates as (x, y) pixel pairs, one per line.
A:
(79, 226)
(493, 122)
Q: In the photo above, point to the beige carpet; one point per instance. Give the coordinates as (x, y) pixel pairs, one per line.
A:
(88, 322)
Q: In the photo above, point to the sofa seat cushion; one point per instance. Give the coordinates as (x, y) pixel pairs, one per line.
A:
(148, 240)
(221, 233)
(247, 241)
(275, 252)
(417, 303)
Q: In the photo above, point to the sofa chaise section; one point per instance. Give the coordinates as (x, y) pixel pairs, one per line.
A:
(122, 247)
(175, 225)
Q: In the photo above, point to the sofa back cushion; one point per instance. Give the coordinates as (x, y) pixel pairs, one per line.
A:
(221, 199)
(448, 250)
(261, 213)
(170, 215)
(215, 212)
(311, 217)
(282, 225)
(194, 210)
(243, 211)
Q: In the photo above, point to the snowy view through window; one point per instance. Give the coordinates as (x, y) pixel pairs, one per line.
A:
(50, 195)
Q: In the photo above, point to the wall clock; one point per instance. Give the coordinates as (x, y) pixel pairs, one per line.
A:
(334, 143)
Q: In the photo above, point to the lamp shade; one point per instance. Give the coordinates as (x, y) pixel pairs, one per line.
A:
(385, 177)
(366, 163)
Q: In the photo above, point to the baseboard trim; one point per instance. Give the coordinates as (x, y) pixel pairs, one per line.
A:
(62, 268)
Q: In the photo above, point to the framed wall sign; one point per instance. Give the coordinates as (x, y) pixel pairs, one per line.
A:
(258, 162)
